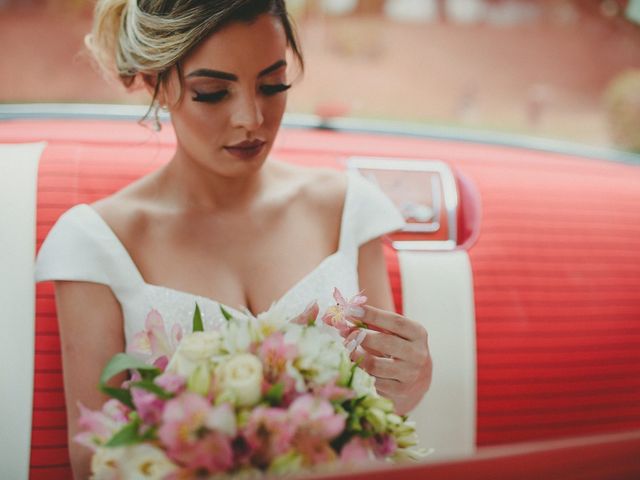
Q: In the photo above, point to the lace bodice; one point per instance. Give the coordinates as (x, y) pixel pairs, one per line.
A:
(82, 247)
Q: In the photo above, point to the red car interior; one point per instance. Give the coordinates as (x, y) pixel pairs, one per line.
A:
(553, 240)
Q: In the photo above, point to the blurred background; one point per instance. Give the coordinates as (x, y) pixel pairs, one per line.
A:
(562, 69)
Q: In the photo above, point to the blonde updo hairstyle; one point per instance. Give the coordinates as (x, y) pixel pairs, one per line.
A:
(142, 40)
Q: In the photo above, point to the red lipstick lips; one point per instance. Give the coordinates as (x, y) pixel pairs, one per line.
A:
(247, 149)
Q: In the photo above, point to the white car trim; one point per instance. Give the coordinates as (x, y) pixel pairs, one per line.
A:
(18, 187)
(437, 290)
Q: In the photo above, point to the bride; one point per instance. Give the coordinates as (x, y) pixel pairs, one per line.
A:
(220, 223)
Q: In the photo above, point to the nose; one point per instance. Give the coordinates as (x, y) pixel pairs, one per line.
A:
(247, 112)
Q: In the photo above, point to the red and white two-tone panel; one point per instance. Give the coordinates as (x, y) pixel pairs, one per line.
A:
(529, 282)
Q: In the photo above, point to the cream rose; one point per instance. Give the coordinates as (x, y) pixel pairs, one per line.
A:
(240, 378)
(195, 349)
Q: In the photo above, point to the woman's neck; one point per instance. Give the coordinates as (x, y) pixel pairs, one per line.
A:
(190, 186)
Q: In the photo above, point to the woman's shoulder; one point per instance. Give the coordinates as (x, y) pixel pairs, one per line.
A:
(320, 189)
(127, 211)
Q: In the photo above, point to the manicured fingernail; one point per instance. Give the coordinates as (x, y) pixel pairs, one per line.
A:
(360, 337)
(351, 346)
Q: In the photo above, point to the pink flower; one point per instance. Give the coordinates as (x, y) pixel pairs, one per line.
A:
(170, 382)
(308, 317)
(198, 435)
(357, 450)
(316, 425)
(148, 405)
(97, 426)
(345, 313)
(275, 353)
(332, 392)
(315, 417)
(154, 342)
(384, 446)
(268, 433)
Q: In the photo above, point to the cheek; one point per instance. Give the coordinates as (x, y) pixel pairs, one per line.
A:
(199, 125)
(275, 110)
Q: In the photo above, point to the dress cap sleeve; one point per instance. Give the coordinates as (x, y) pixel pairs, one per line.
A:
(369, 212)
(78, 248)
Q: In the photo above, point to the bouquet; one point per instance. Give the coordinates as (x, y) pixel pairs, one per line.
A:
(270, 394)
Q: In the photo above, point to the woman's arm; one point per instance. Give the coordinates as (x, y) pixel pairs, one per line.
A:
(91, 332)
(396, 349)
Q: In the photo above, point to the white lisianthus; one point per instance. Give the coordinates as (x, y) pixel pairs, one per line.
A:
(236, 335)
(195, 349)
(363, 383)
(240, 377)
(320, 354)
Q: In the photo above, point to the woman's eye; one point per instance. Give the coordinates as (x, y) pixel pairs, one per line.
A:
(274, 89)
(212, 97)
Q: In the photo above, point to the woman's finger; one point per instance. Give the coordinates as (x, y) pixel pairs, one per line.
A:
(383, 320)
(387, 388)
(388, 368)
(387, 345)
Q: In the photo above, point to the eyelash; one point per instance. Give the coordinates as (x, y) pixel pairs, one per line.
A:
(268, 90)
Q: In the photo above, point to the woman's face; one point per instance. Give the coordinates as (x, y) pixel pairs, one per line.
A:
(234, 97)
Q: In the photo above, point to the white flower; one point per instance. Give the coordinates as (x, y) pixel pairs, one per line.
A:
(106, 463)
(363, 383)
(320, 352)
(274, 319)
(195, 349)
(136, 462)
(146, 461)
(236, 335)
(241, 378)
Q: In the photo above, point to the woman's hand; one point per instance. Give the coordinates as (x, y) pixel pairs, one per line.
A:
(395, 350)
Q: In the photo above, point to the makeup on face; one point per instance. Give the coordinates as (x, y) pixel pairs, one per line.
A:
(219, 89)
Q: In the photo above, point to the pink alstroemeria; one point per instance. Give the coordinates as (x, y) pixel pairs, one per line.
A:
(384, 446)
(171, 382)
(97, 426)
(309, 316)
(346, 313)
(188, 431)
(268, 433)
(357, 450)
(316, 425)
(275, 354)
(333, 392)
(148, 405)
(153, 341)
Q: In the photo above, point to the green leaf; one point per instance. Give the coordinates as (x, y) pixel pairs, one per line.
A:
(121, 394)
(197, 320)
(149, 386)
(274, 394)
(225, 314)
(127, 435)
(122, 362)
(353, 372)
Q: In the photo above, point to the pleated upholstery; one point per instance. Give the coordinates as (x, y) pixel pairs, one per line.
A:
(556, 272)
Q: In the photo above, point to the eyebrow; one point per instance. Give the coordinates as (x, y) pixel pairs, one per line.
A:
(207, 72)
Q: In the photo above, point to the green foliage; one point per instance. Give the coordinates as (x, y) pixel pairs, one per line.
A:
(122, 362)
(274, 395)
(197, 320)
(225, 314)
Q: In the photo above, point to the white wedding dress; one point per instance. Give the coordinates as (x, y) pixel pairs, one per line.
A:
(82, 247)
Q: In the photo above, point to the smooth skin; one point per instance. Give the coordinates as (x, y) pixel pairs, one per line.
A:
(205, 222)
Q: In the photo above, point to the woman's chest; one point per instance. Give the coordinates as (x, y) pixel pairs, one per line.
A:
(239, 263)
